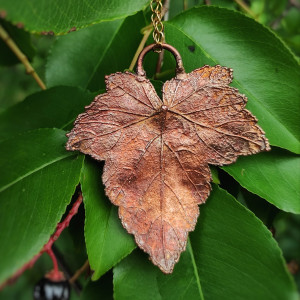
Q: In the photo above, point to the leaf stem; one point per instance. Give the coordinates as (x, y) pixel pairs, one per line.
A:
(66, 270)
(164, 73)
(146, 33)
(83, 268)
(185, 4)
(246, 8)
(196, 273)
(21, 56)
(54, 274)
(47, 247)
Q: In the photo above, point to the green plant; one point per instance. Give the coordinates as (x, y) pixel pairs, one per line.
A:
(232, 253)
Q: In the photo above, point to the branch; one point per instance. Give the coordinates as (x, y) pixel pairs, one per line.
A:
(21, 56)
(140, 47)
(79, 272)
(54, 274)
(47, 247)
(64, 224)
(246, 8)
(185, 4)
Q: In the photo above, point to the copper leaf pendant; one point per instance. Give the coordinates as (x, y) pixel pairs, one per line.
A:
(157, 151)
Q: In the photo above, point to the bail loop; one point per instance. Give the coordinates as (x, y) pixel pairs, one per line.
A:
(179, 65)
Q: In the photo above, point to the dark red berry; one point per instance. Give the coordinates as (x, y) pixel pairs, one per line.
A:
(47, 289)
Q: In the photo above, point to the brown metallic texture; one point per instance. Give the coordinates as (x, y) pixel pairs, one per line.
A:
(179, 65)
(157, 151)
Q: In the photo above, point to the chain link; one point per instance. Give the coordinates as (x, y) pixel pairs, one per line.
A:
(156, 17)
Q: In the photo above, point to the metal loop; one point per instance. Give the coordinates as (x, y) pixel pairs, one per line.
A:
(179, 65)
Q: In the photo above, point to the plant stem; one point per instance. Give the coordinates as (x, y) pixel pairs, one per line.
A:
(140, 47)
(185, 4)
(54, 261)
(162, 74)
(21, 56)
(54, 274)
(159, 63)
(65, 223)
(65, 269)
(47, 247)
(79, 272)
(246, 8)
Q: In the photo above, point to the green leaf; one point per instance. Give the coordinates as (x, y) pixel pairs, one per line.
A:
(107, 242)
(100, 50)
(178, 6)
(232, 255)
(236, 252)
(22, 289)
(56, 107)
(215, 175)
(27, 153)
(274, 176)
(59, 17)
(23, 41)
(38, 180)
(188, 286)
(264, 69)
(135, 278)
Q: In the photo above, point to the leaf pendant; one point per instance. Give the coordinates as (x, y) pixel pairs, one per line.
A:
(157, 151)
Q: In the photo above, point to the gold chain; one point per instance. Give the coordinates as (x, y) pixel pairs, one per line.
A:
(156, 17)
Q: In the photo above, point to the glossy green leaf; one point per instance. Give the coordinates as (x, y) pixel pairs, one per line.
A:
(264, 69)
(245, 256)
(231, 256)
(107, 242)
(274, 176)
(186, 279)
(21, 38)
(56, 107)
(23, 287)
(178, 6)
(135, 278)
(224, 3)
(84, 58)
(59, 17)
(38, 180)
(26, 153)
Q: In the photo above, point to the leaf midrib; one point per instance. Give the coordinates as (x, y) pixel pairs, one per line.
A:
(3, 188)
(104, 53)
(236, 81)
(190, 249)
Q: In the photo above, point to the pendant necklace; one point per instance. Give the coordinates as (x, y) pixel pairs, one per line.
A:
(157, 151)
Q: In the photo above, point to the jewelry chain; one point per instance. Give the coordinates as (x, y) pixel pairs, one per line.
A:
(156, 17)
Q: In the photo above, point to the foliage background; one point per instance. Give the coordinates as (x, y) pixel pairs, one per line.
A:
(231, 254)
